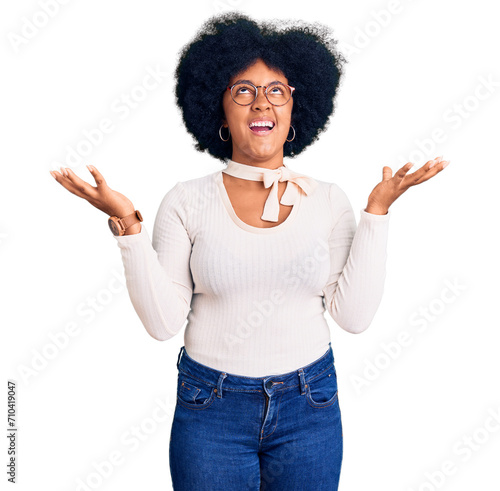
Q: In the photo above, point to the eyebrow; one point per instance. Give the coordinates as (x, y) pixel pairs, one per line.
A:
(249, 81)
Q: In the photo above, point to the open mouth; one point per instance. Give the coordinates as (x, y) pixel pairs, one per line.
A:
(261, 127)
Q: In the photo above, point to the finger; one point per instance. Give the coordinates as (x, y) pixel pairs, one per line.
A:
(99, 180)
(416, 177)
(83, 187)
(428, 171)
(401, 173)
(438, 160)
(59, 176)
(431, 163)
(386, 173)
(70, 186)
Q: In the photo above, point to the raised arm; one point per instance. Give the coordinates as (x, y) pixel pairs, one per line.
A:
(358, 255)
(357, 264)
(157, 272)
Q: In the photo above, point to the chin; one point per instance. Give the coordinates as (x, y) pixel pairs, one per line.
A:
(263, 151)
(261, 155)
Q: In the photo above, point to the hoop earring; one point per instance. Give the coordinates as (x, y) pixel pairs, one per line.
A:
(293, 134)
(220, 134)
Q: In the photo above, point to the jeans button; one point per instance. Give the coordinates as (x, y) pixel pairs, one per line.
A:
(269, 384)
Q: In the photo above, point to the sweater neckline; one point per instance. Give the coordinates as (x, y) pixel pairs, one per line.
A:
(226, 202)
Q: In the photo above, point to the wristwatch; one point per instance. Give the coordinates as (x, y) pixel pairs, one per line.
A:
(119, 225)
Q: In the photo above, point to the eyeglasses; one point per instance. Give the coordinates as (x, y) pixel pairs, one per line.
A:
(244, 93)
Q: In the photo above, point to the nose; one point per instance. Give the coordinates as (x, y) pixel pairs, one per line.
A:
(261, 101)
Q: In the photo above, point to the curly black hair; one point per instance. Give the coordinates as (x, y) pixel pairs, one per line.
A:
(229, 43)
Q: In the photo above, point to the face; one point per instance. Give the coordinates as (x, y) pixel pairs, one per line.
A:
(250, 146)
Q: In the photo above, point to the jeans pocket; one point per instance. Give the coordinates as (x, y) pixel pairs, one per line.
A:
(193, 393)
(321, 390)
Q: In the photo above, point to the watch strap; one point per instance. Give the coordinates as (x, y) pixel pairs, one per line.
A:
(131, 219)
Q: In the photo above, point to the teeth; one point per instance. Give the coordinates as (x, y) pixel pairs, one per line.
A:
(262, 123)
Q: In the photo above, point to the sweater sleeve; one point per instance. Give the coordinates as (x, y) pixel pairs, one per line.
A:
(157, 273)
(357, 264)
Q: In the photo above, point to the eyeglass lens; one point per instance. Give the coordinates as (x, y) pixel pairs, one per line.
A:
(277, 93)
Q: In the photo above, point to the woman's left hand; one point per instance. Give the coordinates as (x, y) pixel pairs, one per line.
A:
(391, 188)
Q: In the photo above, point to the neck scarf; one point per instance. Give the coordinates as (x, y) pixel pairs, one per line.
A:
(271, 177)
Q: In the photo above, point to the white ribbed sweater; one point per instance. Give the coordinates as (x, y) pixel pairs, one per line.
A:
(254, 297)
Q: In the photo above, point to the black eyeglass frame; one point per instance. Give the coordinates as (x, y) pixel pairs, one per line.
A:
(230, 88)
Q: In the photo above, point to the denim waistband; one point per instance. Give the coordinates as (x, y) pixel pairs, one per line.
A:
(239, 382)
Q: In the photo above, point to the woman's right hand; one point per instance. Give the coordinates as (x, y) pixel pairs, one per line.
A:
(102, 196)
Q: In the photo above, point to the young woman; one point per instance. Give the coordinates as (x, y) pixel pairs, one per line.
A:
(252, 255)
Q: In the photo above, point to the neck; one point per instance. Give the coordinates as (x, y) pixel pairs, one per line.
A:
(269, 163)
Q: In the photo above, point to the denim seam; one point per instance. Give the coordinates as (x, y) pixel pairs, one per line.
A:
(196, 378)
(258, 378)
(255, 390)
(321, 373)
(198, 406)
(276, 423)
(319, 404)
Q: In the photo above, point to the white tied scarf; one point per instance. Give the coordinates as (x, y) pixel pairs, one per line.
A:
(271, 177)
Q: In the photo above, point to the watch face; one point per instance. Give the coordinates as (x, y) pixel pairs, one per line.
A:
(113, 227)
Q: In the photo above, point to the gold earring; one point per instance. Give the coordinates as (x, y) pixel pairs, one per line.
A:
(220, 134)
(293, 134)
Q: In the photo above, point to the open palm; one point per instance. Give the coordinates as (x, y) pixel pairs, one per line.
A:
(392, 187)
(102, 196)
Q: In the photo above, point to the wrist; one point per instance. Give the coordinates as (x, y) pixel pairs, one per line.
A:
(133, 229)
(128, 224)
(123, 212)
(376, 210)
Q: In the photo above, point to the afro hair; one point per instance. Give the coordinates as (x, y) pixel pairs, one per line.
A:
(229, 43)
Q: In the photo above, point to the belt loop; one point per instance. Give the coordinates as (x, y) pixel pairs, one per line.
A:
(302, 381)
(179, 357)
(219, 384)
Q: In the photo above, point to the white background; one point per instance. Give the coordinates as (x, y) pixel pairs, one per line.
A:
(416, 69)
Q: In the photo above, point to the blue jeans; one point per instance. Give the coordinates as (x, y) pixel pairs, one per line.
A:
(235, 433)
